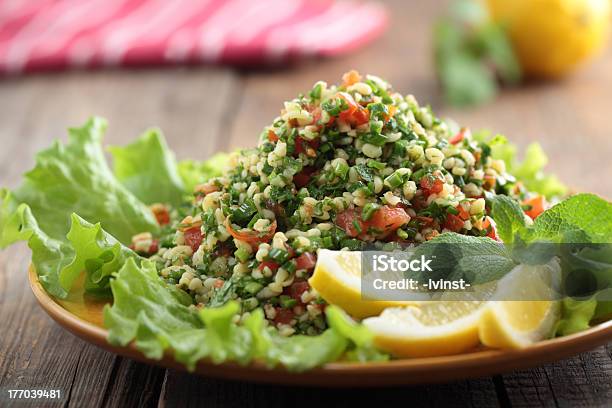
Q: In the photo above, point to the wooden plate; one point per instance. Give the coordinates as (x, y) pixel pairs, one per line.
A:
(83, 317)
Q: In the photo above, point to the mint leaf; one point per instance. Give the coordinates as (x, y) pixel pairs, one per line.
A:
(580, 217)
(454, 256)
(508, 216)
(148, 169)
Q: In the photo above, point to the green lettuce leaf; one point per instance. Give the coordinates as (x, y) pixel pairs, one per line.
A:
(197, 172)
(75, 178)
(575, 316)
(149, 170)
(604, 307)
(49, 256)
(96, 252)
(530, 171)
(66, 179)
(159, 319)
(11, 220)
(361, 338)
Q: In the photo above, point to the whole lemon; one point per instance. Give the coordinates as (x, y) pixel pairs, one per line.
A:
(551, 37)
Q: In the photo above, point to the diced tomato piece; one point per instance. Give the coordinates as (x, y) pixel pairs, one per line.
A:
(489, 225)
(459, 136)
(345, 221)
(356, 114)
(272, 136)
(303, 177)
(193, 237)
(297, 289)
(289, 250)
(154, 247)
(350, 78)
(316, 113)
(152, 250)
(161, 213)
(463, 213)
(386, 220)
(308, 147)
(307, 260)
(283, 316)
(218, 283)
(537, 205)
(273, 266)
(453, 223)
(431, 185)
(251, 237)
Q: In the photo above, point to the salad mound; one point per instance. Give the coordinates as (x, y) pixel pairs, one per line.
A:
(342, 166)
(212, 260)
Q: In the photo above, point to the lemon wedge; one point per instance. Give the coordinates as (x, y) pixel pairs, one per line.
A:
(530, 312)
(337, 278)
(526, 314)
(433, 328)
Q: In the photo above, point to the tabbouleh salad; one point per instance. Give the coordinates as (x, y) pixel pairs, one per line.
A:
(343, 166)
(211, 263)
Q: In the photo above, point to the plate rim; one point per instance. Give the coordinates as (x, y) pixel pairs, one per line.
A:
(426, 370)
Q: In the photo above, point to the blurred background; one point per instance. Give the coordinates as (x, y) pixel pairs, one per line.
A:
(213, 73)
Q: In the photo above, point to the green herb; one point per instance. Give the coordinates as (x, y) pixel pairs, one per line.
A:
(471, 52)
(364, 172)
(315, 93)
(368, 210)
(253, 287)
(243, 213)
(287, 302)
(394, 180)
(279, 256)
(357, 226)
(334, 106)
(341, 169)
(376, 164)
(242, 254)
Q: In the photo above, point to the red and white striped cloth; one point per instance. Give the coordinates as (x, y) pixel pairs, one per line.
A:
(56, 34)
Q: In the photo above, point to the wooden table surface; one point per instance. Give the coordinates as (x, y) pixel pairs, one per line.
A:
(206, 109)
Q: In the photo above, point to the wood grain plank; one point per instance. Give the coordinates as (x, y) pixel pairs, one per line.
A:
(581, 381)
(132, 385)
(186, 390)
